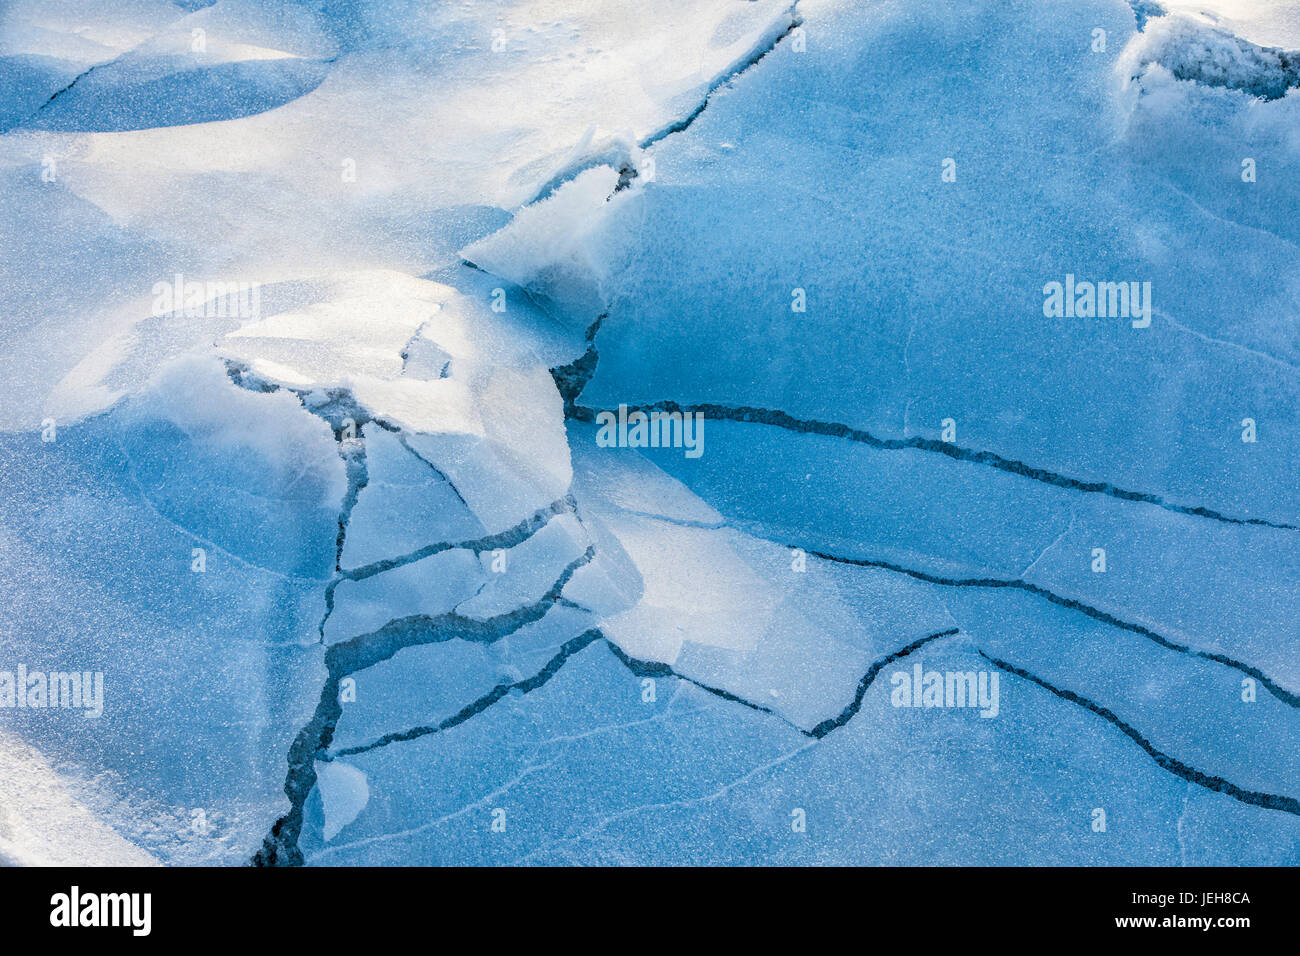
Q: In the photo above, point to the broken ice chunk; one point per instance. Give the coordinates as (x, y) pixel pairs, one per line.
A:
(405, 505)
(517, 462)
(426, 588)
(522, 575)
(343, 792)
(252, 472)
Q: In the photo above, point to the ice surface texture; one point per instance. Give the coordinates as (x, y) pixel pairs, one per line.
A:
(367, 581)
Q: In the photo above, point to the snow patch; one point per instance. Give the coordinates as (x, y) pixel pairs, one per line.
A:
(545, 248)
(1193, 48)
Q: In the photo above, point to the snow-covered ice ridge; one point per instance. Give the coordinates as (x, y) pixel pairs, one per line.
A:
(326, 336)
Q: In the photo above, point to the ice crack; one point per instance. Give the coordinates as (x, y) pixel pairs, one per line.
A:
(1072, 604)
(779, 419)
(1173, 765)
(280, 848)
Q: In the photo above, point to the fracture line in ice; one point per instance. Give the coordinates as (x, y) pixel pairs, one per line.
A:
(526, 686)
(446, 818)
(1281, 693)
(780, 419)
(658, 669)
(492, 542)
(851, 711)
(84, 73)
(717, 794)
(505, 788)
(347, 657)
(1177, 767)
(787, 24)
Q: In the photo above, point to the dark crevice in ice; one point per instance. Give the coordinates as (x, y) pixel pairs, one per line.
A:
(626, 173)
(849, 712)
(500, 691)
(1095, 613)
(571, 379)
(366, 650)
(502, 540)
(187, 73)
(346, 417)
(67, 87)
(1177, 767)
(280, 847)
(438, 472)
(658, 669)
(353, 452)
(617, 157)
(1144, 10)
(336, 406)
(779, 419)
(405, 353)
(338, 409)
(752, 60)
